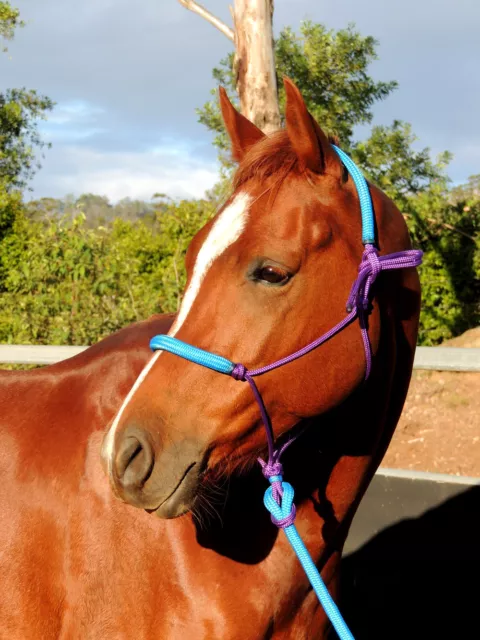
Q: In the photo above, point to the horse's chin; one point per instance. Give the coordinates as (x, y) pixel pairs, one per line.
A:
(181, 500)
(170, 513)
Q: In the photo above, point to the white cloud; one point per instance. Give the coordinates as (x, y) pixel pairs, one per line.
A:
(74, 111)
(119, 175)
(71, 121)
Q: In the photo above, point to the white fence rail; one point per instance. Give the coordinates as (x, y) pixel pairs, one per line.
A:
(35, 354)
(433, 358)
(447, 358)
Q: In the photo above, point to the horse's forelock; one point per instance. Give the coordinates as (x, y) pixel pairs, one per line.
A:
(272, 157)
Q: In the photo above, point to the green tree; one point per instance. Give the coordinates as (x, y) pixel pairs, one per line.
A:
(98, 210)
(467, 192)
(331, 70)
(449, 235)
(9, 21)
(19, 138)
(20, 110)
(389, 161)
(67, 283)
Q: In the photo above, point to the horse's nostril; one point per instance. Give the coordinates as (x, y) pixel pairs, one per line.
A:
(134, 461)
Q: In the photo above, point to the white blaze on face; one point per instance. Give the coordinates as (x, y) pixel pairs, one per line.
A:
(226, 230)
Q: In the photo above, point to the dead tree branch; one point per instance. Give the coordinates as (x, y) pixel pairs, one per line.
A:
(209, 17)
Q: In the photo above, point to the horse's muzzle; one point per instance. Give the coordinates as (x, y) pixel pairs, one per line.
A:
(163, 480)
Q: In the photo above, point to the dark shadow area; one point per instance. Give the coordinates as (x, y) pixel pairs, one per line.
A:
(241, 529)
(418, 579)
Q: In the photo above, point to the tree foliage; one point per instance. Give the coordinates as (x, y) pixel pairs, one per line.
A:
(66, 283)
(468, 192)
(9, 21)
(98, 210)
(449, 235)
(19, 138)
(20, 110)
(388, 158)
(331, 70)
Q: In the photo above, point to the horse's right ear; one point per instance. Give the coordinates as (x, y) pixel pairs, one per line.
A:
(243, 134)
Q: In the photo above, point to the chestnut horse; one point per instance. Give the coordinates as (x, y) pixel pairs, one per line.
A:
(270, 273)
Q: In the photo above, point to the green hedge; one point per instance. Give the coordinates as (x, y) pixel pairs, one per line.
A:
(63, 282)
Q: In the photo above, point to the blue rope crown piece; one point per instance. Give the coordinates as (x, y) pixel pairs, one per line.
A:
(194, 354)
(366, 207)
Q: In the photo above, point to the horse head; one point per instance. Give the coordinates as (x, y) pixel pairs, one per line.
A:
(268, 274)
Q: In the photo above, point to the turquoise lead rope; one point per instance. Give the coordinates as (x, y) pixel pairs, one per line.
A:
(282, 511)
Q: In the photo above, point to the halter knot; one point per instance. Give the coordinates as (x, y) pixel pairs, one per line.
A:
(368, 271)
(282, 514)
(283, 523)
(239, 372)
(271, 469)
(370, 255)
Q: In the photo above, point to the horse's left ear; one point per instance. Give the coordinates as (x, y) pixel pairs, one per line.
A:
(243, 134)
(311, 145)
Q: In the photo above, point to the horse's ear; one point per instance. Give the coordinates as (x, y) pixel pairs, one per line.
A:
(311, 145)
(243, 134)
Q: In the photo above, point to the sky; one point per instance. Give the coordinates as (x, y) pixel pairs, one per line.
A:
(127, 76)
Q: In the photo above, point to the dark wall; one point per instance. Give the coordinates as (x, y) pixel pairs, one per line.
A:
(412, 564)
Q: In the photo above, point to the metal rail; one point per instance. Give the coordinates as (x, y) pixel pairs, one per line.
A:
(428, 358)
(35, 354)
(447, 358)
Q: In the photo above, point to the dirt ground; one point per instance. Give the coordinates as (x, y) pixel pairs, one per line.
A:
(439, 429)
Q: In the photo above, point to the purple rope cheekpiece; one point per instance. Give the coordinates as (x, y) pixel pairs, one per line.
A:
(358, 304)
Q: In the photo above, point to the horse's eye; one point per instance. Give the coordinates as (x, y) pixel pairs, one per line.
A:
(272, 275)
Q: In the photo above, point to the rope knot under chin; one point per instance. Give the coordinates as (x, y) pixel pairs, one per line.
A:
(283, 514)
(239, 372)
(271, 469)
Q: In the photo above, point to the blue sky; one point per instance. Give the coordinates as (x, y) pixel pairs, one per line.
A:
(127, 76)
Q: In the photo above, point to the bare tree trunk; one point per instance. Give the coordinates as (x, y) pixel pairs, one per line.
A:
(254, 58)
(255, 63)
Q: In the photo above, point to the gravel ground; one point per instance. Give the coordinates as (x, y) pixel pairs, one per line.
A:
(439, 429)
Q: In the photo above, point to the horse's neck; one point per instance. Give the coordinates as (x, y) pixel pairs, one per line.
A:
(86, 389)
